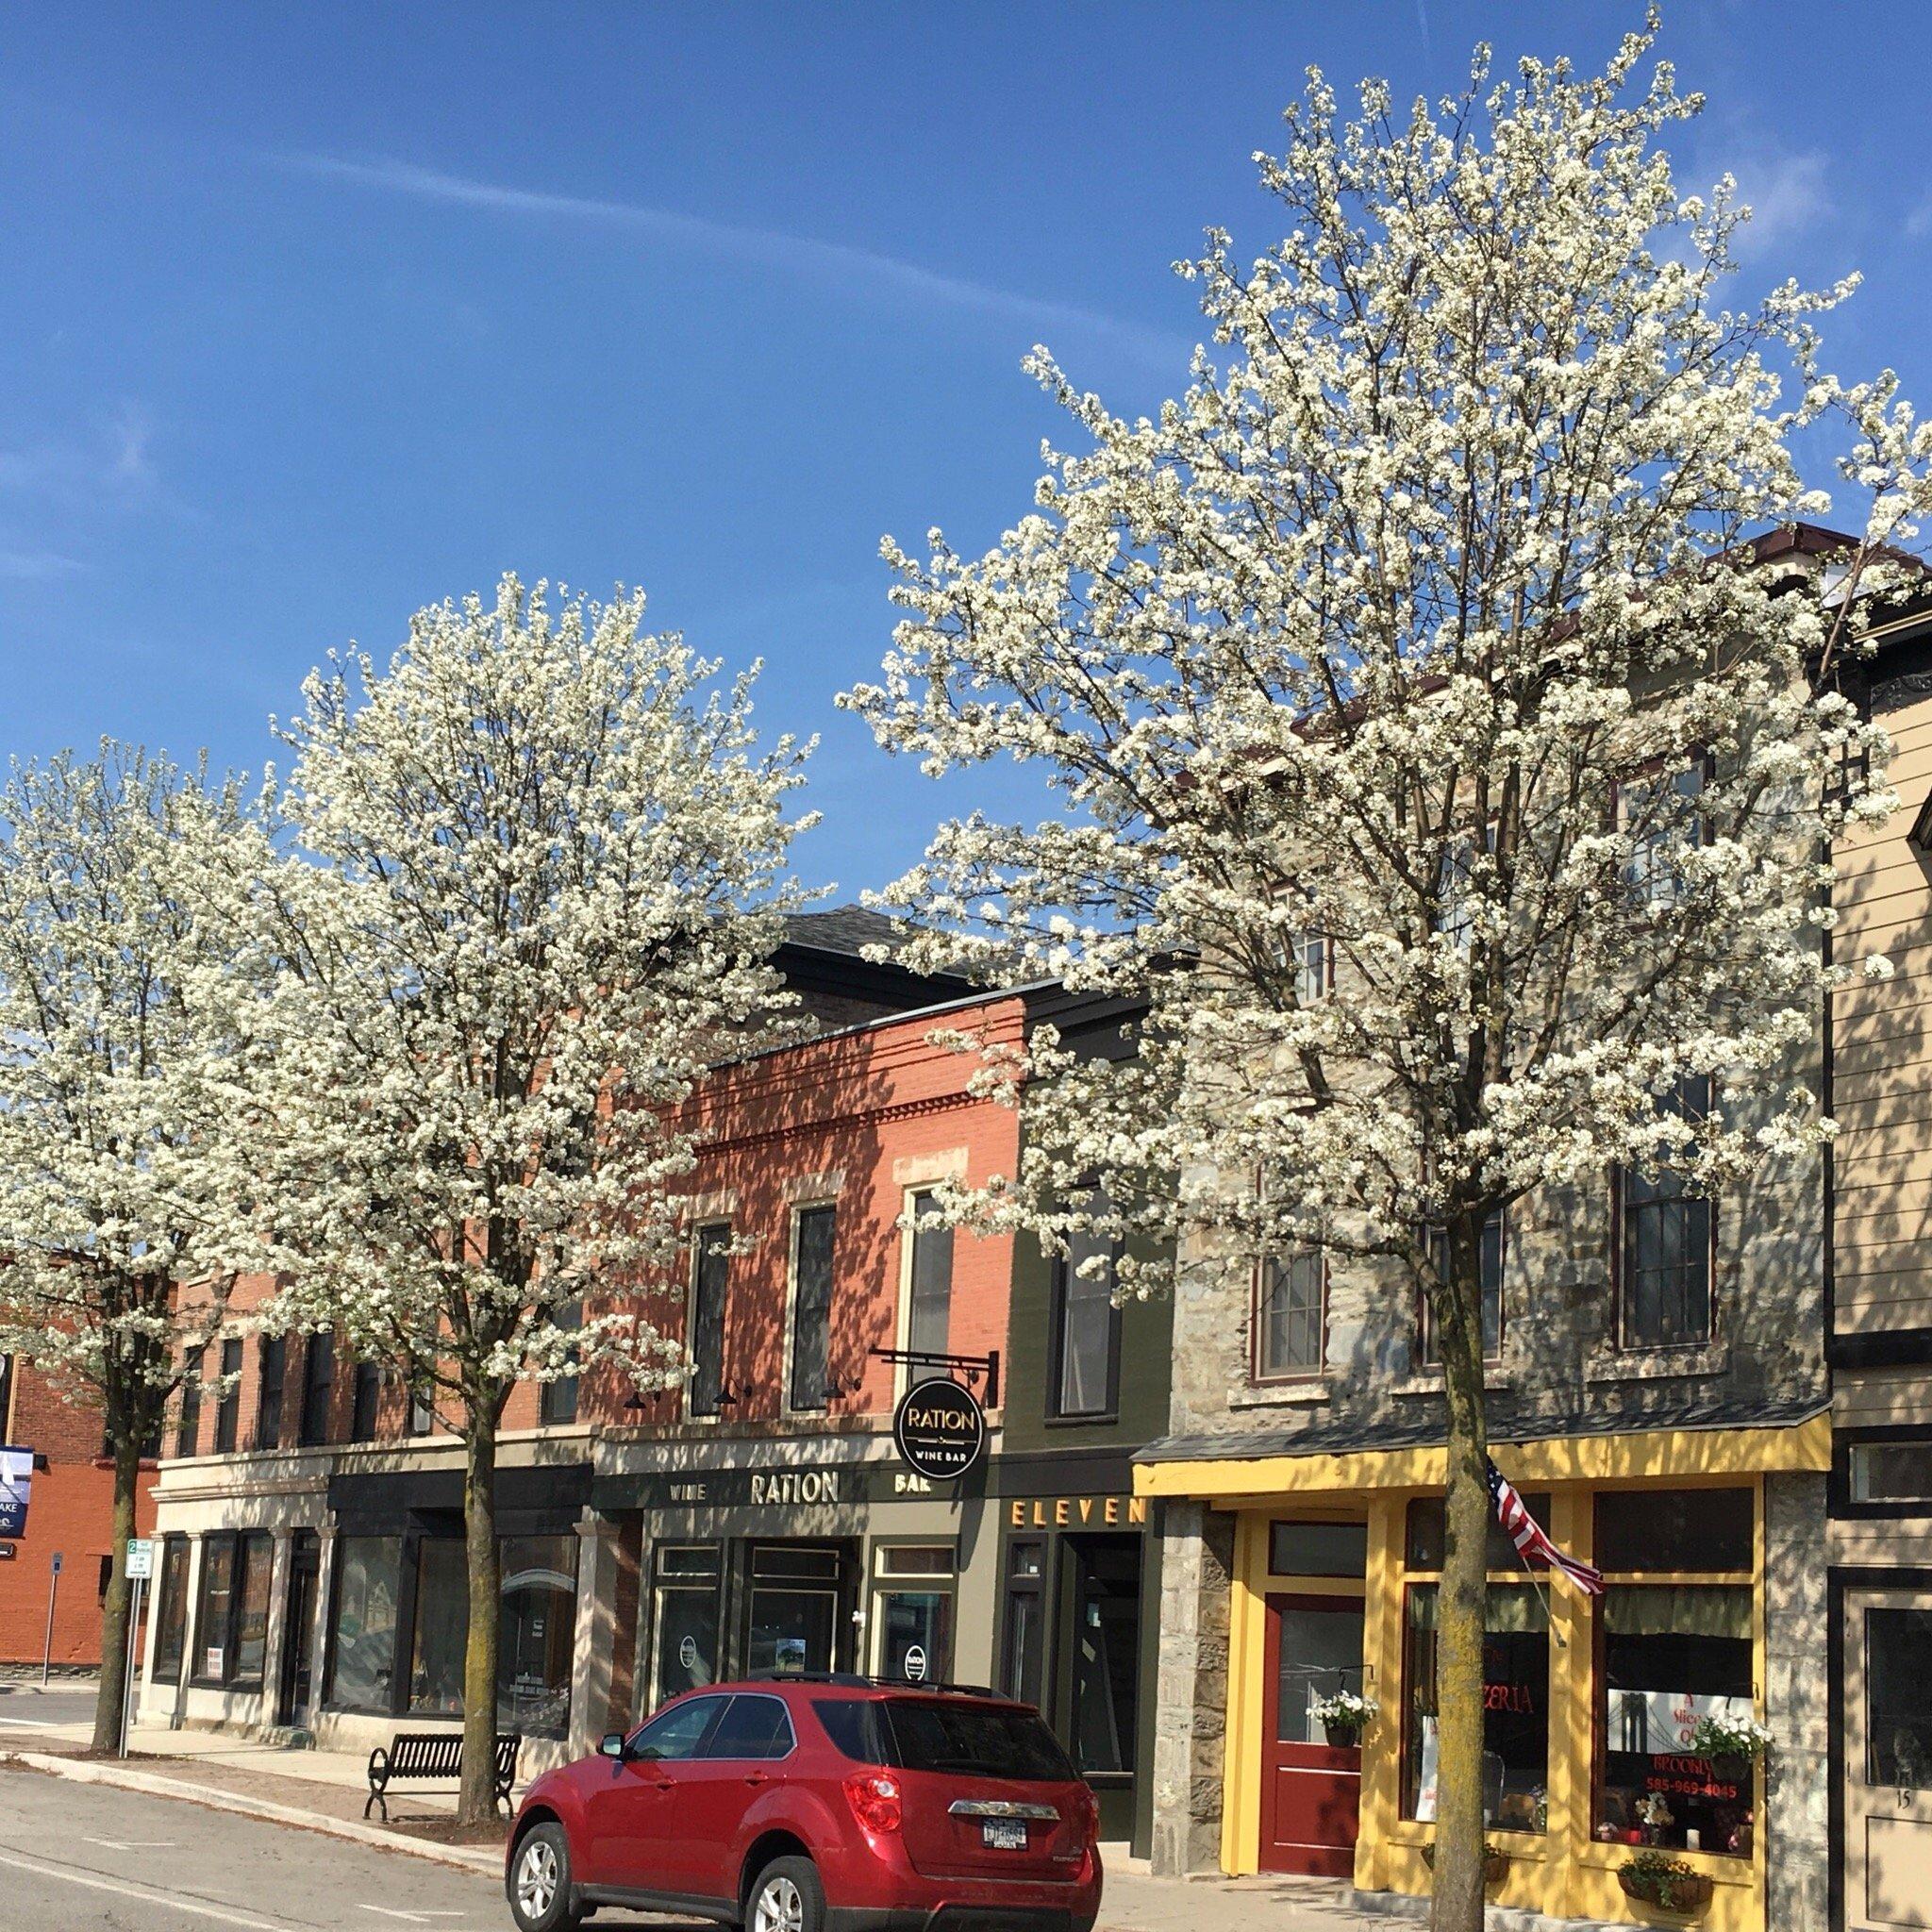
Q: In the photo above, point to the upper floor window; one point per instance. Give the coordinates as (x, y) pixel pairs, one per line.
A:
(188, 1429)
(271, 1365)
(1312, 961)
(556, 1402)
(367, 1401)
(1290, 1315)
(929, 1286)
(1084, 1362)
(422, 1413)
(1660, 813)
(318, 1387)
(710, 1277)
(1492, 1293)
(228, 1409)
(812, 1307)
(6, 1395)
(1666, 1249)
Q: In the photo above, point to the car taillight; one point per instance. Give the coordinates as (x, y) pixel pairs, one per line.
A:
(1088, 1818)
(876, 1803)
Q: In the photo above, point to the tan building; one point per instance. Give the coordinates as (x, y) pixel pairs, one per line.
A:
(1879, 1295)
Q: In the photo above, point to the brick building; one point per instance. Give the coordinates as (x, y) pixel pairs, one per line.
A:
(312, 1570)
(72, 1515)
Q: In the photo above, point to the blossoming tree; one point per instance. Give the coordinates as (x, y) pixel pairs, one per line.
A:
(123, 1044)
(1427, 741)
(535, 874)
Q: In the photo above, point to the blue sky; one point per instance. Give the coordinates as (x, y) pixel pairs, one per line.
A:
(310, 316)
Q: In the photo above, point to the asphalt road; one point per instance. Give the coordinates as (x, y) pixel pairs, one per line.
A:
(90, 1859)
(23, 1705)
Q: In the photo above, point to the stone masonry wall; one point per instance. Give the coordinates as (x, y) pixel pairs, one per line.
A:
(1196, 1566)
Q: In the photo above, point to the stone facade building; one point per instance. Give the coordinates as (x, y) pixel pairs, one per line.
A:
(1658, 1392)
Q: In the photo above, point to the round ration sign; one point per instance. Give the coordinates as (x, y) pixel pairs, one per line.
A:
(915, 1665)
(939, 1428)
(688, 1653)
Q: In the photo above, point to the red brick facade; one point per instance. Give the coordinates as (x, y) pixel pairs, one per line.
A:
(71, 1512)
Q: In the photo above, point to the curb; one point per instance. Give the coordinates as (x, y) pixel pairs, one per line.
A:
(92, 1772)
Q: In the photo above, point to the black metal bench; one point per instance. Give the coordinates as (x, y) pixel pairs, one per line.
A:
(419, 1756)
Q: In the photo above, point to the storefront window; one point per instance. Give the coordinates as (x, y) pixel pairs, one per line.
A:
(231, 1615)
(171, 1610)
(1427, 1534)
(912, 1609)
(211, 1613)
(362, 1656)
(442, 1625)
(255, 1563)
(537, 1635)
(1898, 1698)
(1675, 1530)
(1318, 1549)
(1669, 1655)
(686, 1620)
(1515, 1681)
(794, 1608)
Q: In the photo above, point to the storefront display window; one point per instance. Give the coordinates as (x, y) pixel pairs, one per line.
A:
(1318, 1549)
(1669, 1655)
(170, 1610)
(362, 1655)
(441, 1627)
(1516, 1735)
(686, 1620)
(1684, 1530)
(1898, 1698)
(1427, 1534)
(912, 1611)
(231, 1616)
(794, 1608)
(538, 1634)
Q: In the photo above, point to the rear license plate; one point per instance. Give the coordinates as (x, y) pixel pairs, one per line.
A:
(1004, 1834)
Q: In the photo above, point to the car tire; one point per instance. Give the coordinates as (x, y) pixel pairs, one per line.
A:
(538, 1886)
(785, 1897)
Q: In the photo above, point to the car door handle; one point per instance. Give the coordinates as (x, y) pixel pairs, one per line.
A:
(758, 1778)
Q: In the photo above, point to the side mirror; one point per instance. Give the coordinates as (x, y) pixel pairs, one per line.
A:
(611, 1745)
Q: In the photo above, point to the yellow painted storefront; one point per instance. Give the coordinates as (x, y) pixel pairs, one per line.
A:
(1563, 1871)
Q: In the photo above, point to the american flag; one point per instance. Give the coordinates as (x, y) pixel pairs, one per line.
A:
(1523, 1530)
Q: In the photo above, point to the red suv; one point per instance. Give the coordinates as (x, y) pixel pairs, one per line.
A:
(817, 1803)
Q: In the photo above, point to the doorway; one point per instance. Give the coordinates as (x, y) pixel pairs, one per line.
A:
(1311, 1788)
(1100, 1648)
(294, 1693)
(1888, 1758)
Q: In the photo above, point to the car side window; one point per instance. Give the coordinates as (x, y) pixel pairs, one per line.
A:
(677, 1733)
(753, 1727)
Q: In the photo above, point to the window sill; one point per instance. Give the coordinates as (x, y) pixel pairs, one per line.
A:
(1104, 1419)
(1307, 1394)
(1658, 1364)
(1430, 1381)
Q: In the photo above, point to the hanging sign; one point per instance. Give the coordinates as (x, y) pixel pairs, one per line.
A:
(939, 1428)
(16, 1480)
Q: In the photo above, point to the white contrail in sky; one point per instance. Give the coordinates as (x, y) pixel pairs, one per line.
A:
(772, 248)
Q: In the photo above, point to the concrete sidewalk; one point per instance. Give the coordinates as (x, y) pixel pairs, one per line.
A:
(324, 1792)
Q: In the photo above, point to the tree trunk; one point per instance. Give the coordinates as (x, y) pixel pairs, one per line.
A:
(127, 1449)
(1459, 1602)
(476, 1803)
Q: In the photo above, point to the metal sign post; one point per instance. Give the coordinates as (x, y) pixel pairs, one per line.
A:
(53, 1590)
(141, 1558)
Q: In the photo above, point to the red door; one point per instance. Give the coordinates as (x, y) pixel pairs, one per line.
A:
(1310, 1789)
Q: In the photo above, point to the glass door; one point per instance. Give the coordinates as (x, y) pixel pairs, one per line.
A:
(1311, 1788)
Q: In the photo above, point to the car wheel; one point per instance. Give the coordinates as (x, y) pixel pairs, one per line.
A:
(539, 1882)
(786, 1897)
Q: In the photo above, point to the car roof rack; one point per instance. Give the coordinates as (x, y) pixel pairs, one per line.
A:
(855, 1680)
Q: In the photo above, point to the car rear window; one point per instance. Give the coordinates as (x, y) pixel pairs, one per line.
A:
(934, 1734)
